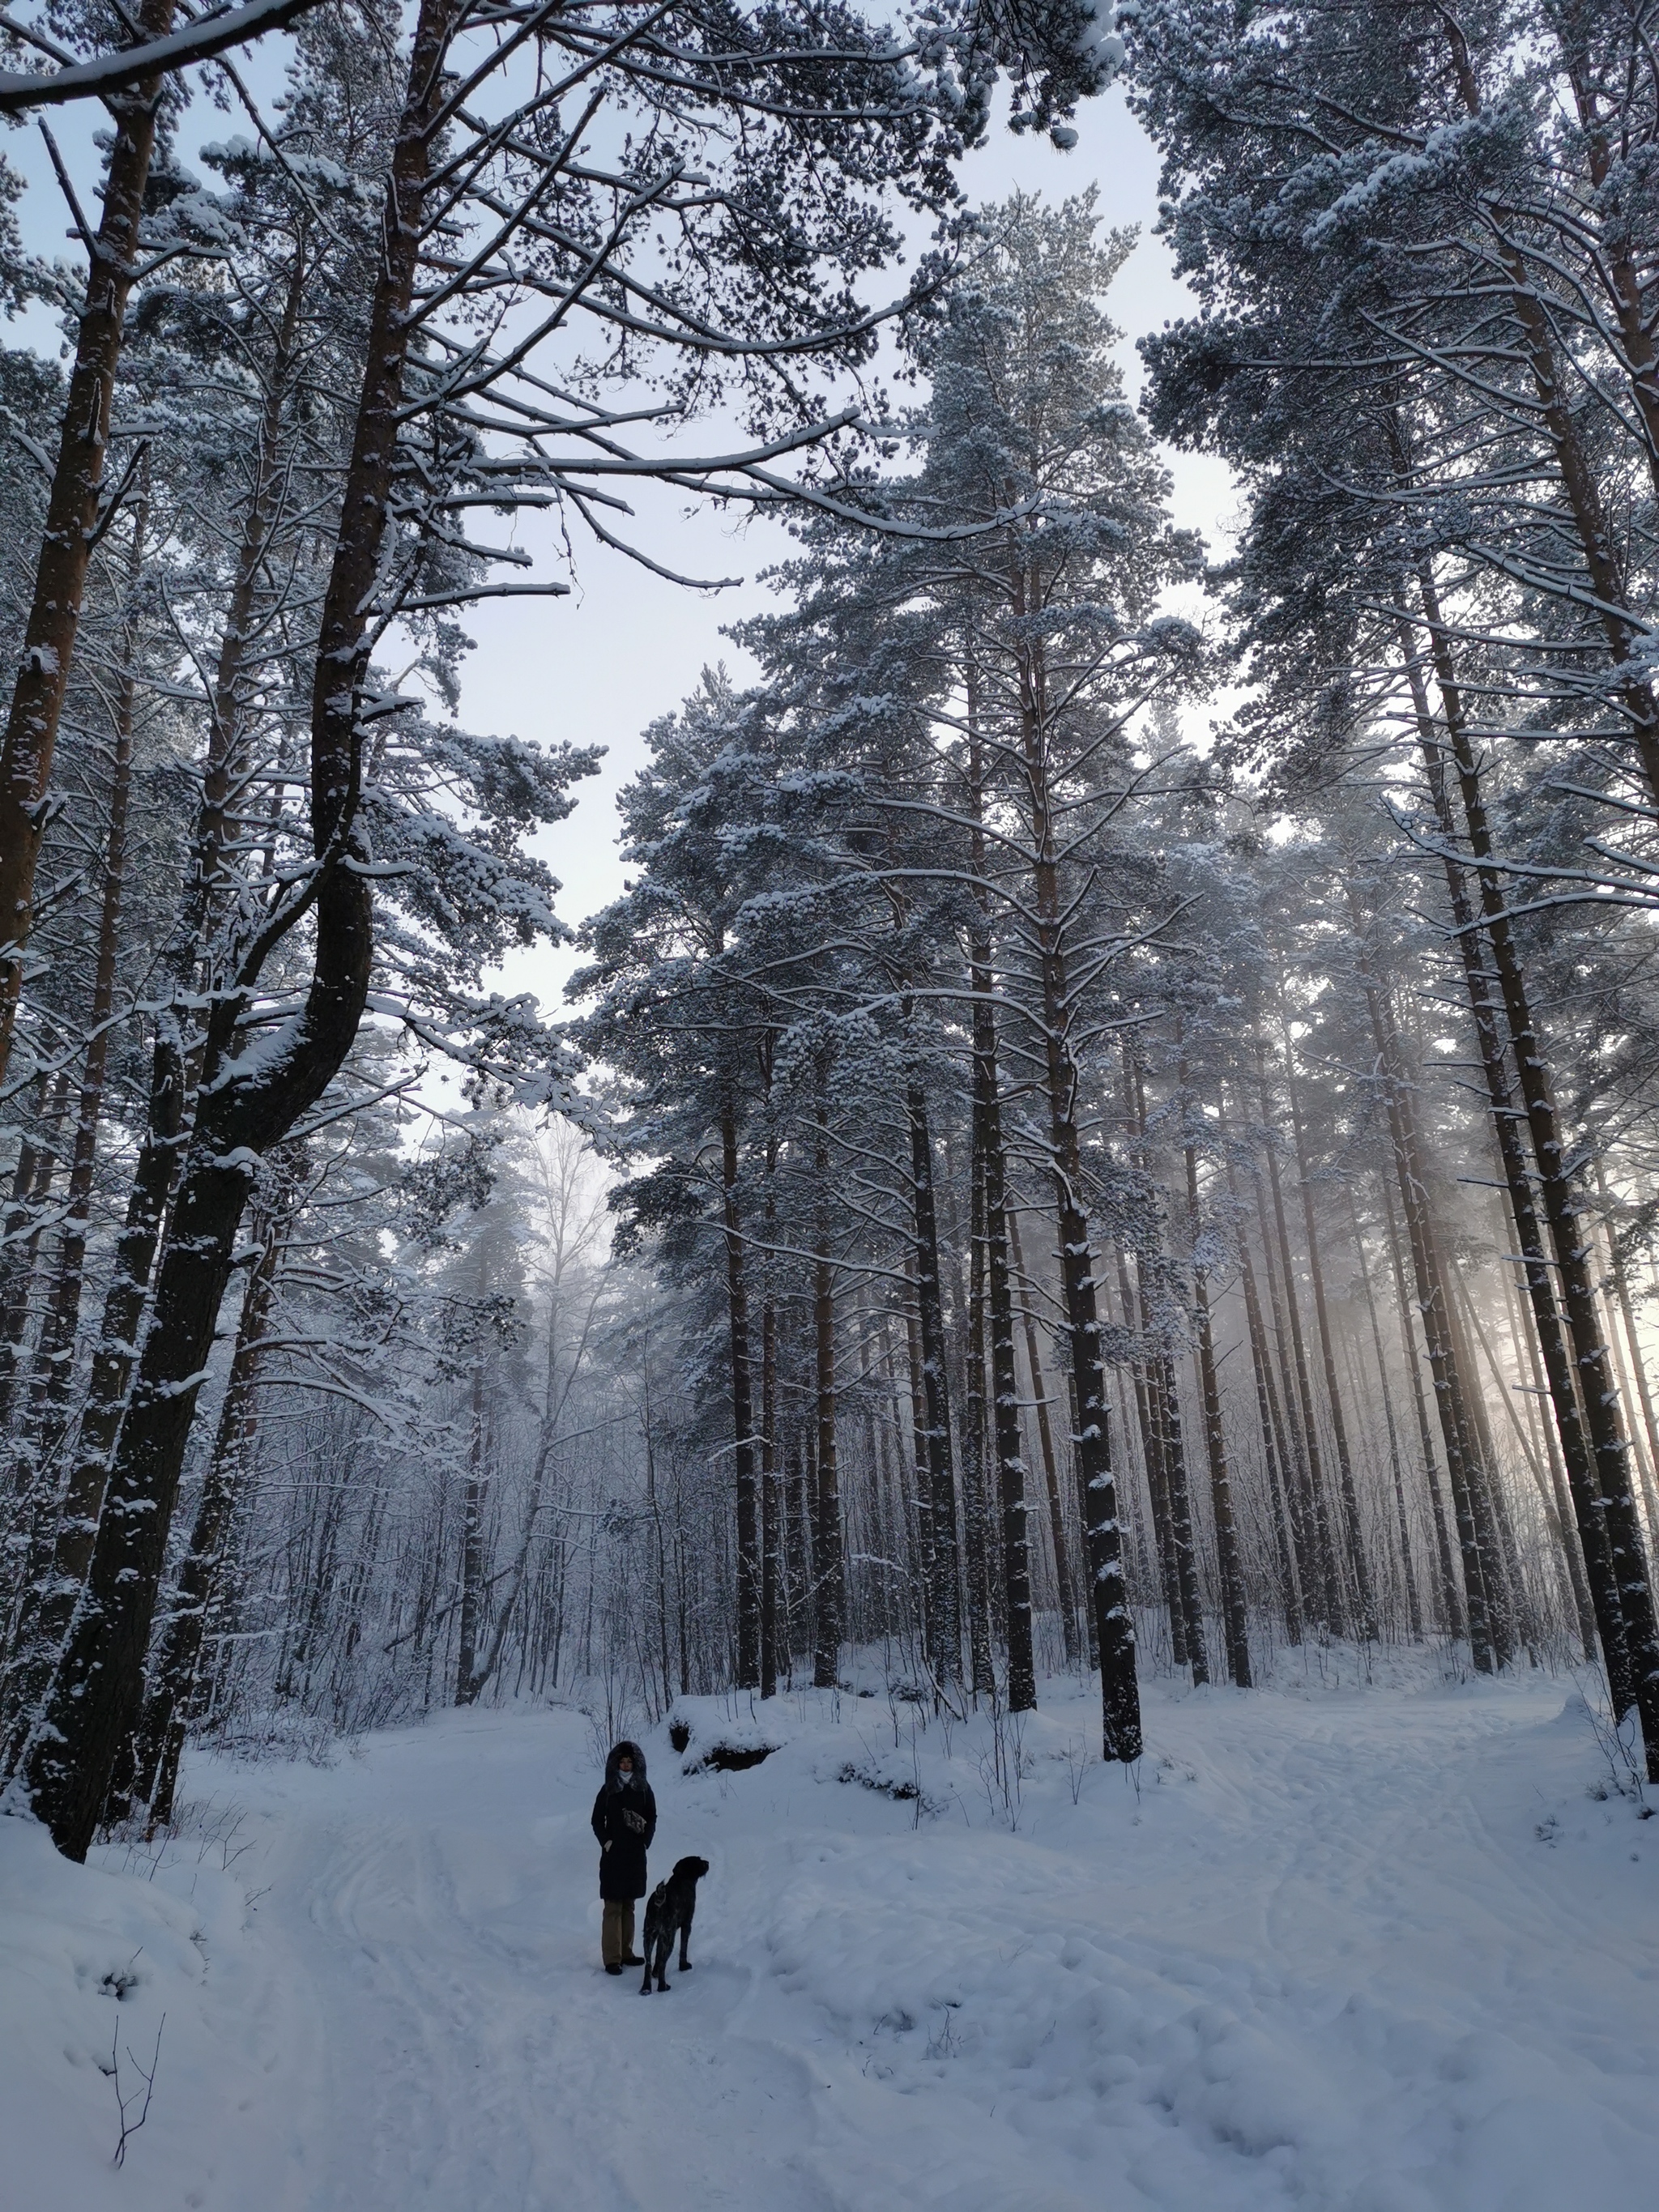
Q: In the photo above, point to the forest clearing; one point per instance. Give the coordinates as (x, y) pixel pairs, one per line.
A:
(1374, 1948)
(829, 1042)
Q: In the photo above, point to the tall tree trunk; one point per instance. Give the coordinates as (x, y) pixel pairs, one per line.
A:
(20, 1251)
(19, 1244)
(55, 1352)
(771, 1529)
(991, 1192)
(743, 1413)
(55, 1590)
(1451, 1602)
(654, 1506)
(1151, 1454)
(250, 1101)
(1294, 1459)
(51, 1599)
(1274, 1444)
(798, 1544)
(1637, 1678)
(1119, 1693)
(1149, 1413)
(1620, 1280)
(770, 1472)
(1034, 1368)
(72, 515)
(1414, 1608)
(169, 1707)
(1011, 1462)
(829, 1571)
(1505, 1393)
(1167, 1420)
(1158, 1308)
(1235, 1618)
(922, 1486)
(1348, 1513)
(1576, 1445)
(471, 1619)
(975, 1518)
(1432, 1307)
(1150, 1404)
(1319, 1589)
(1486, 1481)
(943, 1592)
(1572, 1550)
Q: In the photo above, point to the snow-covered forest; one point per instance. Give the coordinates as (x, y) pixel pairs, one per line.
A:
(1104, 1148)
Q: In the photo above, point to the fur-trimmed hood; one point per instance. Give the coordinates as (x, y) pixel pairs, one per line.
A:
(618, 1751)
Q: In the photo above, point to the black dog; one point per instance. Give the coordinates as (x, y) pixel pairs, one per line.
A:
(671, 1910)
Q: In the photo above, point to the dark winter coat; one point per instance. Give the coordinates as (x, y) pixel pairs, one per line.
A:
(624, 1821)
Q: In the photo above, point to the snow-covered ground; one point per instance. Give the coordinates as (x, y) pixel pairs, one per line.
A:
(1377, 1950)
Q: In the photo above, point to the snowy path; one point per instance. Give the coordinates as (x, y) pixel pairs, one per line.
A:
(476, 2056)
(1358, 1952)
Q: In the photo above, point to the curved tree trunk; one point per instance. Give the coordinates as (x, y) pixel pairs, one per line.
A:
(249, 1103)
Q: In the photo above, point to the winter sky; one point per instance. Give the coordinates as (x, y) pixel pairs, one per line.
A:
(597, 667)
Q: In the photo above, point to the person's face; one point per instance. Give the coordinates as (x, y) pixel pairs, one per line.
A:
(625, 1768)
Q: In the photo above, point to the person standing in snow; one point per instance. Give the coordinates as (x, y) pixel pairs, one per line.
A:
(624, 1821)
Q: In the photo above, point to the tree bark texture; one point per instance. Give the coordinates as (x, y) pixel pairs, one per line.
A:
(1319, 1590)
(1348, 1510)
(1562, 1213)
(249, 1103)
(743, 1409)
(944, 1583)
(1575, 1443)
(1235, 1618)
(829, 1571)
(999, 1318)
(1274, 1444)
(72, 518)
(1414, 1608)
(1034, 1369)
(1432, 1308)
(169, 1707)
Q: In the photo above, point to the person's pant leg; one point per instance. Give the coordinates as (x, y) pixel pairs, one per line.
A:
(615, 1933)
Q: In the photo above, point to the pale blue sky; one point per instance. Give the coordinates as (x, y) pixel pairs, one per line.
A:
(597, 667)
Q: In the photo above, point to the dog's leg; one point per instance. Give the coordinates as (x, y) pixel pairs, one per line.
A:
(685, 1937)
(645, 1986)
